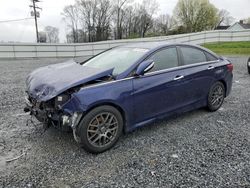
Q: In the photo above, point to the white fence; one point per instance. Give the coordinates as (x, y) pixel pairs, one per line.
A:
(33, 50)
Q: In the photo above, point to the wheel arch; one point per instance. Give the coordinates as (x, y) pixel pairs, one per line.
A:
(225, 85)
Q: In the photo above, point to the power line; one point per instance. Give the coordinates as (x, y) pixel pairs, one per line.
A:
(23, 29)
(15, 20)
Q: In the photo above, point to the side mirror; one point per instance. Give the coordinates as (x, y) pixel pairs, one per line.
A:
(144, 67)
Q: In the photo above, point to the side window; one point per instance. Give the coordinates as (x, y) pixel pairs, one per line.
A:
(164, 59)
(192, 55)
(210, 57)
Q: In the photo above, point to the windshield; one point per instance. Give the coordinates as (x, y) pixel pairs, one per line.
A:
(118, 58)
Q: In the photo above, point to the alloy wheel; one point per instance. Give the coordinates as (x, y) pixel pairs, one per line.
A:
(102, 129)
(217, 96)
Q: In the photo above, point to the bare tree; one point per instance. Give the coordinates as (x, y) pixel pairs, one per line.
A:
(104, 14)
(163, 23)
(146, 12)
(119, 16)
(224, 18)
(82, 36)
(52, 34)
(129, 20)
(88, 10)
(134, 20)
(71, 17)
(95, 18)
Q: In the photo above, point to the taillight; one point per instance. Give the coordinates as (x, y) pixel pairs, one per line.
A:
(230, 67)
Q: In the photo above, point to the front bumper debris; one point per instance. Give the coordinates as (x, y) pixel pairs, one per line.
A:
(35, 111)
(58, 118)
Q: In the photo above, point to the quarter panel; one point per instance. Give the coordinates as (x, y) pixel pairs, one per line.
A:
(200, 80)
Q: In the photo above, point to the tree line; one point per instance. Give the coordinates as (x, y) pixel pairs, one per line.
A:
(98, 20)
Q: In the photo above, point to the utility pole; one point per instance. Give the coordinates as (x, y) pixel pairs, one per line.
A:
(36, 15)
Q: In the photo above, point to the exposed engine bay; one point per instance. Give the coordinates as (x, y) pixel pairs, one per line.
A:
(50, 92)
(52, 112)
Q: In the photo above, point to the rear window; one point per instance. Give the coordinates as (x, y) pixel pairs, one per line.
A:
(210, 57)
(192, 55)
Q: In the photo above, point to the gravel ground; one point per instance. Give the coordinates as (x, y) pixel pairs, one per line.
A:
(195, 149)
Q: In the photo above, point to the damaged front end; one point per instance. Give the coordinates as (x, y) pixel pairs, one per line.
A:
(51, 92)
(53, 112)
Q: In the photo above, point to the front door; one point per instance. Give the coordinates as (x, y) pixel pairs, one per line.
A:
(161, 90)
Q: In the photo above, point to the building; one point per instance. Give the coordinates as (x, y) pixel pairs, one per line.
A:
(239, 26)
(222, 27)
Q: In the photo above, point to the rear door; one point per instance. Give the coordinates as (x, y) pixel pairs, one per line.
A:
(161, 90)
(199, 70)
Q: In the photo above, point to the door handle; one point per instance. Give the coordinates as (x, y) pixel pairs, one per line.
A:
(178, 77)
(210, 67)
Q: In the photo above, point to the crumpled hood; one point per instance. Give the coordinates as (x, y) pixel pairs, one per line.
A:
(47, 82)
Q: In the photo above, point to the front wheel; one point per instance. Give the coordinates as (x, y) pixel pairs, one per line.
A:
(100, 129)
(216, 96)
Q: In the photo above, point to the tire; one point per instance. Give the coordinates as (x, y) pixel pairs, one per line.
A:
(100, 129)
(216, 96)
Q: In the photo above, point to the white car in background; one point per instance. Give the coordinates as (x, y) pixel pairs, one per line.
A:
(248, 65)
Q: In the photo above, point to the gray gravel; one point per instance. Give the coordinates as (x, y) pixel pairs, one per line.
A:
(195, 149)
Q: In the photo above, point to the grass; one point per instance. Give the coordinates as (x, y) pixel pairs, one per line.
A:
(239, 48)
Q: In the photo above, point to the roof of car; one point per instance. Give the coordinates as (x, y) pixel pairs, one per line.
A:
(147, 45)
(152, 45)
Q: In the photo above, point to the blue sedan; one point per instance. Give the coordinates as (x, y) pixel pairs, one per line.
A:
(126, 87)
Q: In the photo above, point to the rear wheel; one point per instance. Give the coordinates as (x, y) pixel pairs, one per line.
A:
(216, 96)
(100, 129)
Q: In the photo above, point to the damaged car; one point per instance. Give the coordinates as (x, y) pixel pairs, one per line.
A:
(126, 87)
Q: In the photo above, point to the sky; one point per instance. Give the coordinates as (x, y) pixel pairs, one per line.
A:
(24, 31)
